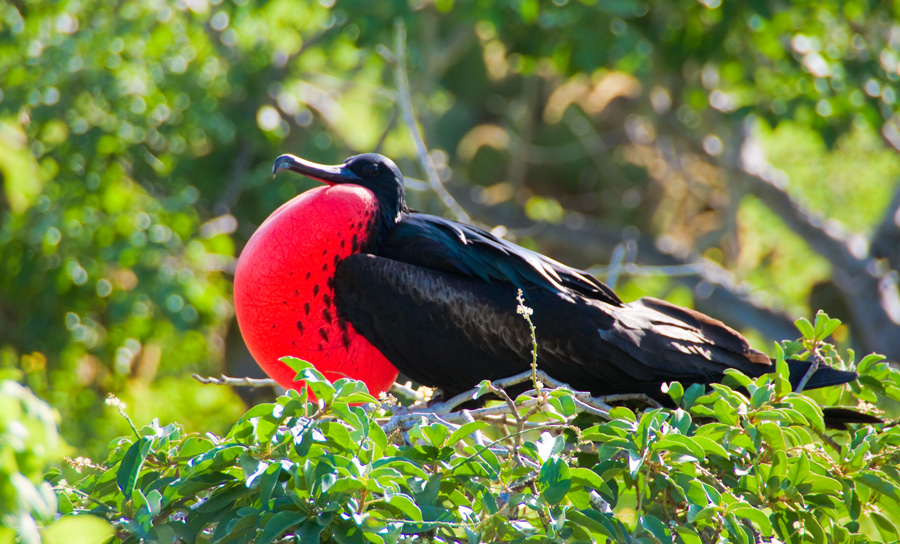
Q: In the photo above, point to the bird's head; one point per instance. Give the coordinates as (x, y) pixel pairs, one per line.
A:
(375, 172)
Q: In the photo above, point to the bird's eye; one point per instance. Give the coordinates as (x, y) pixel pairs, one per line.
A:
(371, 170)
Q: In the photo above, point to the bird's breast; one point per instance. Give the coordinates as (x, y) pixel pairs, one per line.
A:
(284, 287)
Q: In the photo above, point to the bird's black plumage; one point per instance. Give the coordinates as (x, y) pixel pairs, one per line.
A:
(438, 299)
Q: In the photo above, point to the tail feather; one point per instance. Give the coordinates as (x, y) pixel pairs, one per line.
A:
(823, 376)
(837, 417)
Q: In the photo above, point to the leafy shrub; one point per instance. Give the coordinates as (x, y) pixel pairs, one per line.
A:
(728, 465)
(29, 441)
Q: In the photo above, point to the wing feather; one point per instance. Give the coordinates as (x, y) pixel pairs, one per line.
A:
(441, 244)
(449, 330)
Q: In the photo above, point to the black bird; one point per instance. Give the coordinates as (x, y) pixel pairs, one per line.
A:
(438, 299)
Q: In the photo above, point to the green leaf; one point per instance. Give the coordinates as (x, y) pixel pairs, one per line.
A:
(688, 535)
(779, 466)
(808, 409)
(194, 446)
(772, 434)
(710, 446)
(877, 482)
(549, 445)
(742, 379)
(782, 375)
(588, 478)
(428, 493)
(268, 481)
(812, 527)
(353, 391)
(799, 469)
(154, 501)
(192, 486)
(466, 430)
(885, 526)
(335, 433)
(253, 468)
(657, 528)
(725, 412)
(402, 465)
(297, 365)
(265, 428)
(563, 400)
(278, 524)
(593, 521)
(78, 529)
(693, 392)
(825, 325)
(762, 395)
(320, 386)
(404, 504)
(675, 391)
(757, 517)
(868, 362)
(621, 412)
(436, 434)
(484, 386)
(697, 514)
(695, 491)
(377, 436)
(223, 455)
(223, 498)
(554, 480)
(132, 462)
(805, 328)
(680, 444)
(309, 531)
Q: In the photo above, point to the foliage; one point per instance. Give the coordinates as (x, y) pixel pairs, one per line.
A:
(728, 465)
(29, 444)
(136, 140)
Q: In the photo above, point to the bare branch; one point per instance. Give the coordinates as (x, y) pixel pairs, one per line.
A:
(406, 391)
(885, 242)
(236, 382)
(826, 237)
(809, 373)
(405, 418)
(405, 99)
(870, 293)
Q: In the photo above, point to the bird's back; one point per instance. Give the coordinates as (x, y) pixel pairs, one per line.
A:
(451, 289)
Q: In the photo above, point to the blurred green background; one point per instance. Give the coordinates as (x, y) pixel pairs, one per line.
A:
(747, 148)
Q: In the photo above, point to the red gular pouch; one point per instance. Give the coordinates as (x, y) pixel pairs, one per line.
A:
(284, 294)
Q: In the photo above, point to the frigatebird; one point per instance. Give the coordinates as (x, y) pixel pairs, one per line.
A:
(347, 277)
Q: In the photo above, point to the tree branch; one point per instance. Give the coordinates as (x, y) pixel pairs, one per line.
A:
(404, 97)
(885, 242)
(870, 294)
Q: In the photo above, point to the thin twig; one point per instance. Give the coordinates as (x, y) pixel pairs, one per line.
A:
(405, 99)
(813, 367)
(616, 264)
(520, 421)
(479, 438)
(406, 418)
(604, 413)
(235, 382)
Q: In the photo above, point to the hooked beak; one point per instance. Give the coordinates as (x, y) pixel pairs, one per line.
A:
(325, 173)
